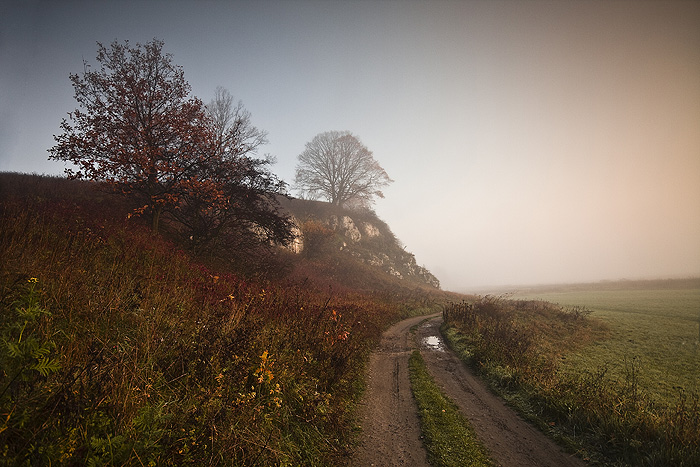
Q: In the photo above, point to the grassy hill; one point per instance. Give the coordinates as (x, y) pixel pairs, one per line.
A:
(121, 347)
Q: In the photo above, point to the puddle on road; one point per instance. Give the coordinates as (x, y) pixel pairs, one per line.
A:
(434, 343)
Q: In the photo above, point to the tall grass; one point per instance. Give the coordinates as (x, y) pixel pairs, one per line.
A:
(519, 346)
(152, 357)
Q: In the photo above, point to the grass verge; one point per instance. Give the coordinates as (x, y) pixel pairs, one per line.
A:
(449, 438)
(517, 346)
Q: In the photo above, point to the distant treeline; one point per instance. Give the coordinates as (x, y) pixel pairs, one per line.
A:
(623, 284)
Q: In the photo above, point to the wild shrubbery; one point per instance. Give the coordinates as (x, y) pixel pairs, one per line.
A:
(121, 348)
(518, 345)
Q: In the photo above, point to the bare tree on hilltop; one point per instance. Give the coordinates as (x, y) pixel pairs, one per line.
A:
(249, 188)
(336, 166)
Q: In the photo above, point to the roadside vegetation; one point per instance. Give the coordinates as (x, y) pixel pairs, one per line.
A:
(120, 346)
(653, 324)
(534, 353)
(448, 437)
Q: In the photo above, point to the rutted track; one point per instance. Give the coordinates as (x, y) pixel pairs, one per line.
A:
(388, 415)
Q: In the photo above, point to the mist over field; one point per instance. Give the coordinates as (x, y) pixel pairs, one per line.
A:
(529, 142)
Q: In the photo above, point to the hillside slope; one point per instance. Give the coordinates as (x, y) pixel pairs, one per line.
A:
(122, 347)
(331, 231)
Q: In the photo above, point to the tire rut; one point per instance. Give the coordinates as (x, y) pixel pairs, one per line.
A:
(388, 413)
(510, 439)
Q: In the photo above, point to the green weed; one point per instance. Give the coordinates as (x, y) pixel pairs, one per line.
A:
(449, 438)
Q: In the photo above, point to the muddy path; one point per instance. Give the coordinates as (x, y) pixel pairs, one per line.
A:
(388, 414)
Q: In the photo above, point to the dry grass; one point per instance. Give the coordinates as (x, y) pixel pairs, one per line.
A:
(163, 359)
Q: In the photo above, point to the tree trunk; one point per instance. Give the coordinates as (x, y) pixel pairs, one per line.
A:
(157, 211)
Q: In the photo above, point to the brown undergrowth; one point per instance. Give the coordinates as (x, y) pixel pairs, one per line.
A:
(120, 348)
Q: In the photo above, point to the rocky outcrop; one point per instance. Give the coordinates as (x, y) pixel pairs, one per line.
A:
(370, 230)
(361, 235)
(296, 245)
(347, 226)
(401, 266)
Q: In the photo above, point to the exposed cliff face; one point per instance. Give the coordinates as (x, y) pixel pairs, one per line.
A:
(360, 235)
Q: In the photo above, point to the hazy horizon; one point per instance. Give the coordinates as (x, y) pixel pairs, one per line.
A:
(510, 288)
(536, 142)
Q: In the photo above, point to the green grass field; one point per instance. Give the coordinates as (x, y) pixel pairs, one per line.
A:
(653, 332)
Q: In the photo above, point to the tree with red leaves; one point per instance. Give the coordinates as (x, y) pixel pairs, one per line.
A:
(138, 128)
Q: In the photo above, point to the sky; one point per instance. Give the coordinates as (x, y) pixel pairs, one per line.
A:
(530, 142)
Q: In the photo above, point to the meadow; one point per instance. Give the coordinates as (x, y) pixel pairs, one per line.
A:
(609, 371)
(653, 327)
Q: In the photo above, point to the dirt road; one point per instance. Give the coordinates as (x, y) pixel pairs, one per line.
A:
(388, 414)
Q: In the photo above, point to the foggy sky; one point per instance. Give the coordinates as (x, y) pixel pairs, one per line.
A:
(530, 142)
